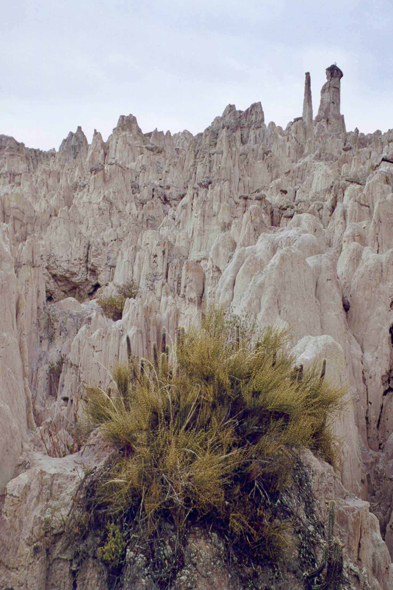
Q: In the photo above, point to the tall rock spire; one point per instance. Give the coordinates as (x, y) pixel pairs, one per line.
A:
(307, 102)
(329, 108)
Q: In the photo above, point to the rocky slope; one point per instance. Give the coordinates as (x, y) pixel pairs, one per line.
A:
(290, 227)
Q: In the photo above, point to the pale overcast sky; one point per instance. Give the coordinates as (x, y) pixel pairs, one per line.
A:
(176, 64)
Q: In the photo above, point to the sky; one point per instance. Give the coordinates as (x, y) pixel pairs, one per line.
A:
(176, 64)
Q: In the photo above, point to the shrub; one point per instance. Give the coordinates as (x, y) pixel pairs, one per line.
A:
(208, 432)
(113, 305)
(129, 290)
(112, 552)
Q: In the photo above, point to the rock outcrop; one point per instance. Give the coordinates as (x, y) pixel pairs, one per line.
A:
(15, 399)
(38, 549)
(288, 227)
(307, 102)
(329, 108)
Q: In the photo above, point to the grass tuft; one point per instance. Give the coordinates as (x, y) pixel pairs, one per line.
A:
(208, 432)
(113, 305)
(112, 552)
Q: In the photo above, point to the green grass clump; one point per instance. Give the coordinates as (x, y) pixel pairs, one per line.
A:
(112, 552)
(113, 305)
(207, 432)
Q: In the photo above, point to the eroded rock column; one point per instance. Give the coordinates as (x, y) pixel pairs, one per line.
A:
(329, 108)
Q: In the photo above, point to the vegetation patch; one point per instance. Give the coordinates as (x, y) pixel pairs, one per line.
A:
(207, 434)
(113, 305)
(112, 552)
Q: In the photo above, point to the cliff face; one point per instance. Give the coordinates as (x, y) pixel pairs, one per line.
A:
(15, 399)
(282, 226)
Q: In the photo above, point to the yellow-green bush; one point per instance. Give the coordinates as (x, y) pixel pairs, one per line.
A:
(113, 305)
(112, 552)
(209, 432)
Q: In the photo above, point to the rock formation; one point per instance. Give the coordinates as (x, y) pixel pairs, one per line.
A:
(15, 399)
(289, 227)
(307, 102)
(329, 108)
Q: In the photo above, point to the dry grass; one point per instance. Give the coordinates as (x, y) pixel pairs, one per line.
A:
(209, 433)
(113, 305)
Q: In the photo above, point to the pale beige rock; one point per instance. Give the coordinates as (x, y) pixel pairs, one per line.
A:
(312, 350)
(367, 279)
(35, 515)
(359, 529)
(329, 108)
(15, 401)
(307, 102)
(278, 225)
(69, 304)
(222, 250)
(193, 280)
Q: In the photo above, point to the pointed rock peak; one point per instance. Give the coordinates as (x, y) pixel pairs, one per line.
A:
(80, 135)
(74, 143)
(182, 139)
(254, 115)
(157, 137)
(233, 119)
(97, 137)
(6, 142)
(229, 118)
(307, 101)
(256, 107)
(228, 110)
(128, 123)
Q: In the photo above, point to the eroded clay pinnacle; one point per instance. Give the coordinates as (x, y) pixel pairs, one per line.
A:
(329, 108)
(307, 102)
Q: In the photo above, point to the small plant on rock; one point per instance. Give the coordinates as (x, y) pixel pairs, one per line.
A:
(112, 552)
(113, 305)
